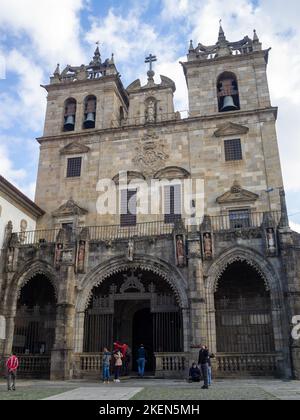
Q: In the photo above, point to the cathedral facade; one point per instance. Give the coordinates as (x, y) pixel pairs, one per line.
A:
(225, 274)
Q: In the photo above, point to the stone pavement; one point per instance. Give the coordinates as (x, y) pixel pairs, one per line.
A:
(98, 394)
(154, 389)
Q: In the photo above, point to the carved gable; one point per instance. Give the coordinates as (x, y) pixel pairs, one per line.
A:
(74, 149)
(231, 129)
(70, 208)
(237, 195)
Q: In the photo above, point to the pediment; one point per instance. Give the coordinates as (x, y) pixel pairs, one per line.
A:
(74, 149)
(136, 85)
(70, 208)
(237, 195)
(171, 173)
(231, 129)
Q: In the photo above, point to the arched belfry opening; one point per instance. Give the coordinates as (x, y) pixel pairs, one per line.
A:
(134, 307)
(70, 114)
(35, 322)
(228, 92)
(243, 312)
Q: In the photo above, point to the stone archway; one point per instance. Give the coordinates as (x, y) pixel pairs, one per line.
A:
(165, 274)
(30, 310)
(236, 271)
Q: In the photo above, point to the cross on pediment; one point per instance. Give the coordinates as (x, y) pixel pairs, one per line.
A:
(150, 60)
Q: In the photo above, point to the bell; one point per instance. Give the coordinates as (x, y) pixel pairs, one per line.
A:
(90, 120)
(229, 104)
(69, 123)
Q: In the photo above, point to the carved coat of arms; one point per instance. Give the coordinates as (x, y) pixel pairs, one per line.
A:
(151, 156)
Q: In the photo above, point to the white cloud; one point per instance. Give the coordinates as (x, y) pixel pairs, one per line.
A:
(295, 226)
(7, 168)
(52, 26)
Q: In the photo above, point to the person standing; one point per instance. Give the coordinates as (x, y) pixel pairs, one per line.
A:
(141, 360)
(12, 365)
(203, 363)
(118, 365)
(210, 357)
(106, 365)
(127, 360)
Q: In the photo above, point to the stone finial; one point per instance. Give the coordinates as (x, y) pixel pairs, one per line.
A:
(57, 71)
(222, 37)
(223, 46)
(191, 47)
(255, 36)
(284, 220)
(97, 57)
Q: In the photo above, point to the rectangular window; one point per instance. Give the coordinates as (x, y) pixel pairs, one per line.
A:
(128, 208)
(74, 167)
(233, 150)
(173, 210)
(240, 219)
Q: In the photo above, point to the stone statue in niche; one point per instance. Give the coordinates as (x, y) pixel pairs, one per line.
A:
(81, 257)
(58, 255)
(151, 111)
(271, 240)
(130, 251)
(207, 240)
(180, 251)
(23, 228)
(10, 259)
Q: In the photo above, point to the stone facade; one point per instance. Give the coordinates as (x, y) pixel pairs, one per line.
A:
(137, 131)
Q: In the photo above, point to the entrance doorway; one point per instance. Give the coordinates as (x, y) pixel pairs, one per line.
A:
(142, 333)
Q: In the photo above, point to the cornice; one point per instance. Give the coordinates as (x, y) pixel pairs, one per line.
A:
(18, 197)
(226, 117)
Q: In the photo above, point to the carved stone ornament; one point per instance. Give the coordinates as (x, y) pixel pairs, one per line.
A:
(75, 149)
(231, 129)
(132, 283)
(70, 208)
(237, 194)
(150, 156)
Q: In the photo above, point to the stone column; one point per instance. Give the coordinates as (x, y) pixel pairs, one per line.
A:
(197, 296)
(291, 275)
(62, 354)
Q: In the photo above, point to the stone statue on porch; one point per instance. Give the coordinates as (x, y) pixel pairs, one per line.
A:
(10, 259)
(130, 251)
(180, 252)
(207, 245)
(58, 255)
(81, 257)
(271, 240)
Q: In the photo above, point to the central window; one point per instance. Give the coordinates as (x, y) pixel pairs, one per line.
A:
(173, 211)
(128, 208)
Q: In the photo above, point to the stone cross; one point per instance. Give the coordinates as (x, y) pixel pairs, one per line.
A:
(151, 59)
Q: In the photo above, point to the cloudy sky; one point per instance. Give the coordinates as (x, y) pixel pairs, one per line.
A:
(35, 35)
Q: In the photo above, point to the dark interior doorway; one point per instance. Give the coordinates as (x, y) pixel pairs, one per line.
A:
(142, 333)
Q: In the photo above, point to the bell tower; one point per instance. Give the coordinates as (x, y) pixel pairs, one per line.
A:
(229, 95)
(227, 76)
(86, 97)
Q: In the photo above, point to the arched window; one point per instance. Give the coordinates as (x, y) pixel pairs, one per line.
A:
(70, 114)
(228, 92)
(90, 108)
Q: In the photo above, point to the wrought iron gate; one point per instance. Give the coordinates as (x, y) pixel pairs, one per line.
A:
(244, 329)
